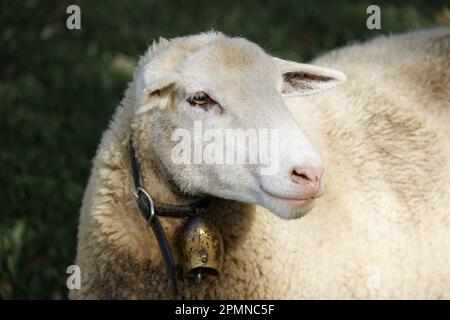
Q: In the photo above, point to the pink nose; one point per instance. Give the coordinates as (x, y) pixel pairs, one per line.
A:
(309, 178)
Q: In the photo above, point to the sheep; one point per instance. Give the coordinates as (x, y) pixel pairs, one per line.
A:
(380, 230)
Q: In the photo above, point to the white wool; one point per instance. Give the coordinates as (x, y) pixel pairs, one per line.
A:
(381, 229)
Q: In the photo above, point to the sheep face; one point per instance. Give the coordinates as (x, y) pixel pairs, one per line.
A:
(220, 126)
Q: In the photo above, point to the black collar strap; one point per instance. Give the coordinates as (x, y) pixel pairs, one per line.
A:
(150, 211)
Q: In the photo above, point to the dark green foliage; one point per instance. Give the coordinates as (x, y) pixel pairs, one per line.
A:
(58, 88)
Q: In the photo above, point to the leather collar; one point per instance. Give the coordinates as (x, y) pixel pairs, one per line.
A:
(150, 211)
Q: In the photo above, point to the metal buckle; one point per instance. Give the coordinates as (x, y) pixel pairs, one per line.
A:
(136, 194)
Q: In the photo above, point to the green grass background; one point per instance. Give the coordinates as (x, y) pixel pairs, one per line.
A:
(58, 88)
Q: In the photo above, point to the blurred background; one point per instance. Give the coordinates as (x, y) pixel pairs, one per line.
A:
(58, 89)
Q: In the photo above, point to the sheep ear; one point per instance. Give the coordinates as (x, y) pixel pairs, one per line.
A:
(152, 92)
(304, 79)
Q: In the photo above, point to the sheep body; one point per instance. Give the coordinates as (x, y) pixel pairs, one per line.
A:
(381, 230)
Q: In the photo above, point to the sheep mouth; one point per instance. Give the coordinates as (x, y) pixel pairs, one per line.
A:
(291, 201)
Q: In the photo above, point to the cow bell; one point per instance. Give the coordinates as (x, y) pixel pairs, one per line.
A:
(201, 249)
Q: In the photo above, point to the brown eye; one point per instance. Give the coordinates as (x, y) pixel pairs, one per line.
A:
(202, 100)
(199, 98)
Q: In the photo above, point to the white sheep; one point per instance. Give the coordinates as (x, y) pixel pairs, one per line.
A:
(382, 227)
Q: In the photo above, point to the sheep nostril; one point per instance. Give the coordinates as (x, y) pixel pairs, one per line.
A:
(307, 175)
(303, 176)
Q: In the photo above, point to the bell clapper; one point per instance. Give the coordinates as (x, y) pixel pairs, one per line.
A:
(198, 277)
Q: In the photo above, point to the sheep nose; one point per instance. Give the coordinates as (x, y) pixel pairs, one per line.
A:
(309, 178)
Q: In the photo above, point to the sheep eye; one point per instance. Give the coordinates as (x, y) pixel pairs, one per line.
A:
(202, 100)
(199, 98)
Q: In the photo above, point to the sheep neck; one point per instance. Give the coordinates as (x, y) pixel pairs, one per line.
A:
(145, 202)
(157, 183)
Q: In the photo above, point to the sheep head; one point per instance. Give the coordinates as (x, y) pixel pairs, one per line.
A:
(219, 125)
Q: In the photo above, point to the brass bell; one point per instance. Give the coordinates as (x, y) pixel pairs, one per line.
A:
(201, 249)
